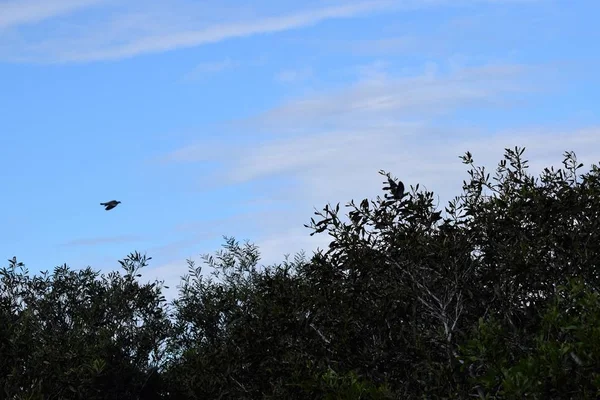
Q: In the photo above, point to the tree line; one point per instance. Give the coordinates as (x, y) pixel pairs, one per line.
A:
(495, 296)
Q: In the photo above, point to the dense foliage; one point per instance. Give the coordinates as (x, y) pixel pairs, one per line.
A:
(494, 297)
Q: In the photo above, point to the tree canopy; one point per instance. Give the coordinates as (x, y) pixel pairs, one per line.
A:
(494, 296)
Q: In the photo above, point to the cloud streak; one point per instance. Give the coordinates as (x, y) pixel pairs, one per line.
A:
(154, 28)
(328, 146)
(326, 123)
(14, 13)
(171, 39)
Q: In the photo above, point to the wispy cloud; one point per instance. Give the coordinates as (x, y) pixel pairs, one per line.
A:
(378, 100)
(208, 68)
(329, 145)
(338, 167)
(14, 13)
(294, 75)
(385, 46)
(171, 37)
(154, 27)
(378, 118)
(205, 69)
(227, 31)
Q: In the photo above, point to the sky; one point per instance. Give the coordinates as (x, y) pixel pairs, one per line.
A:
(211, 118)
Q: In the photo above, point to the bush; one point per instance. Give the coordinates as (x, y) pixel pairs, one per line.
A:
(495, 296)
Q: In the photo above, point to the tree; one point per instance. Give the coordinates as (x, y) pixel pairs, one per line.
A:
(420, 282)
(493, 297)
(78, 334)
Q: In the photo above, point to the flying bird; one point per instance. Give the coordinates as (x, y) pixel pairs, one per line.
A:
(109, 205)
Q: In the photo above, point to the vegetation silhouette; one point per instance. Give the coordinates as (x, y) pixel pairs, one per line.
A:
(493, 297)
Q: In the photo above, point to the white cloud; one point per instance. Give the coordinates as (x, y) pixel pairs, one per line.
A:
(329, 146)
(227, 31)
(377, 118)
(346, 168)
(373, 99)
(88, 46)
(129, 29)
(14, 13)
(381, 102)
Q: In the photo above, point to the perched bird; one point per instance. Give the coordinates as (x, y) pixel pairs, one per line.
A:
(397, 189)
(109, 205)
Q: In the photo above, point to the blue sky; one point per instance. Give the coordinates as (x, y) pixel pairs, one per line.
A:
(237, 118)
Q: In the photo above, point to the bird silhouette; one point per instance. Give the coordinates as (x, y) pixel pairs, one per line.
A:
(397, 189)
(109, 205)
